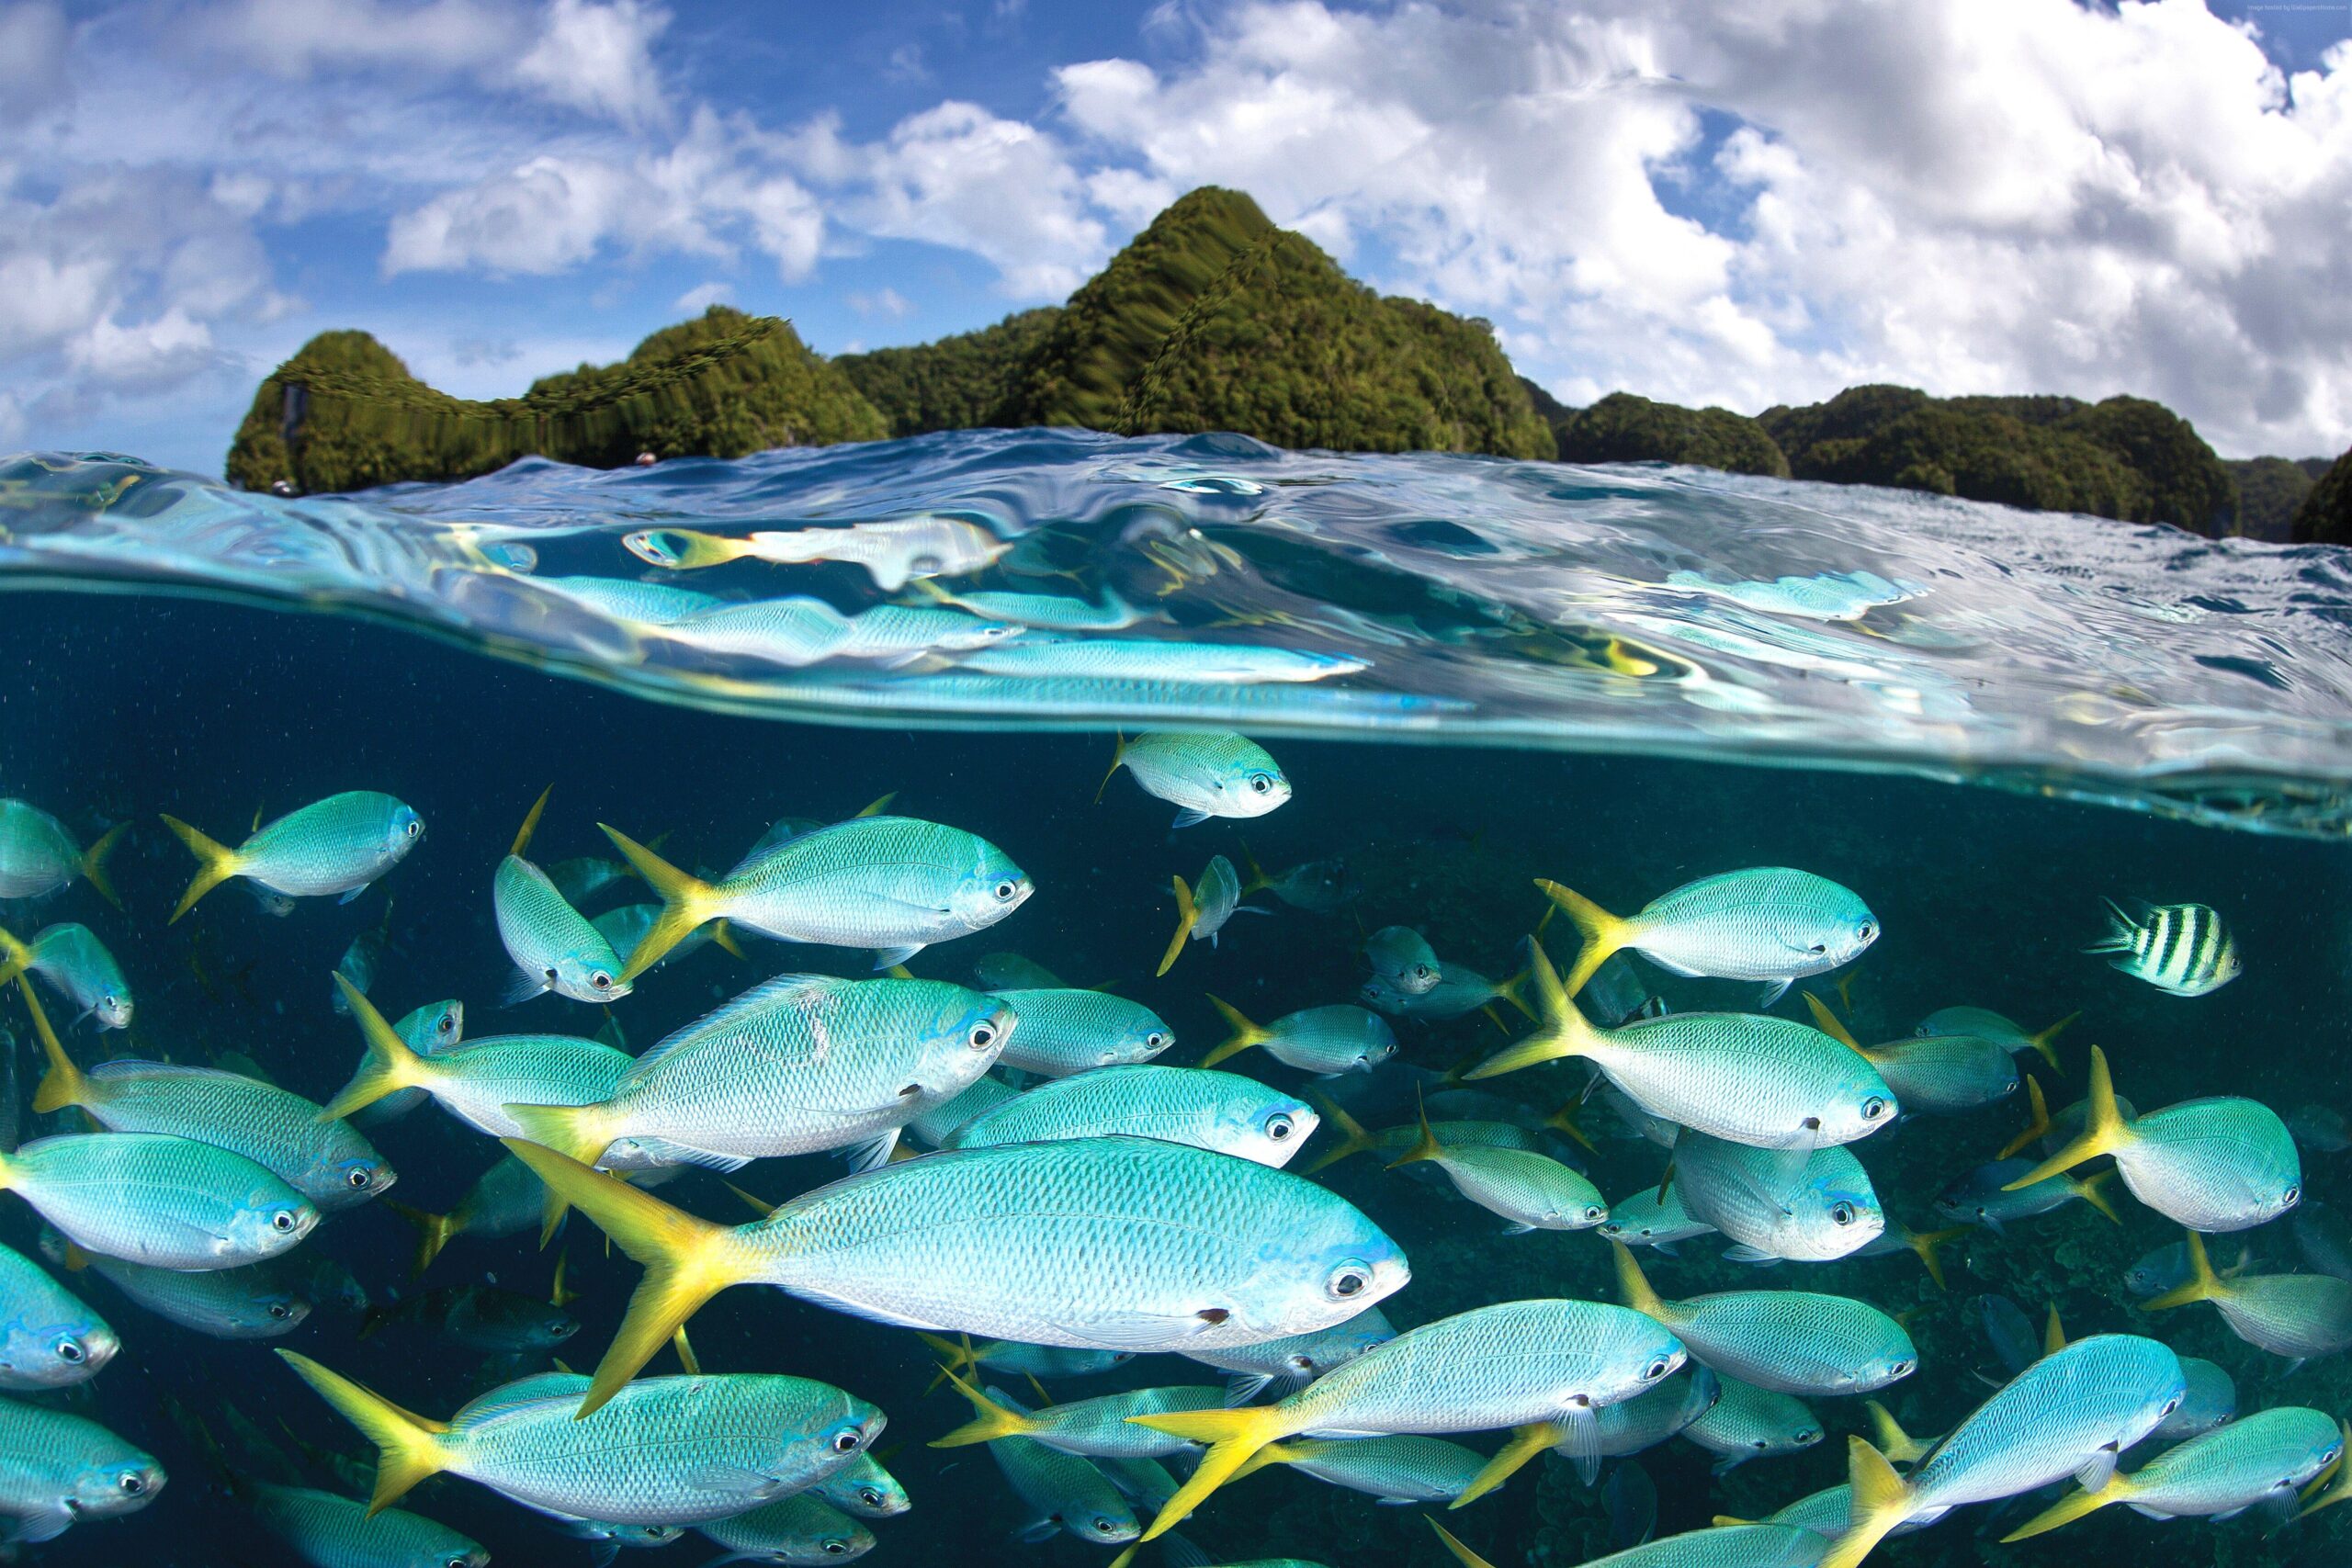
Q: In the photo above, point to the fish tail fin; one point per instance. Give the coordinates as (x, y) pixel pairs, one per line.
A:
(686, 903)
(1513, 990)
(2103, 1130)
(1118, 760)
(2038, 1120)
(2045, 1041)
(1635, 1285)
(1925, 1243)
(2066, 1510)
(1244, 1034)
(1424, 1147)
(64, 1084)
(94, 862)
(2092, 1190)
(2331, 1486)
(1353, 1139)
(2053, 1332)
(1879, 1502)
(1232, 1435)
(1272, 1454)
(722, 935)
(1569, 1126)
(880, 803)
(957, 1351)
(1889, 1438)
(687, 1260)
(390, 1064)
(989, 1421)
(1462, 1554)
(530, 823)
(15, 956)
(433, 1234)
(1187, 915)
(408, 1446)
(1525, 1443)
(2122, 931)
(1826, 1022)
(1258, 882)
(682, 550)
(2202, 1284)
(1603, 932)
(576, 1131)
(215, 863)
(1561, 1030)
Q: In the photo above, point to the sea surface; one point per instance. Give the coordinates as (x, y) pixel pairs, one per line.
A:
(1984, 721)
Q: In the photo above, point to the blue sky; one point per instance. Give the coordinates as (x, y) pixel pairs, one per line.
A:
(1739, 203)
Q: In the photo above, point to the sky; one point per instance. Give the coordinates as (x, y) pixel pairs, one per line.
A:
(1738, 202)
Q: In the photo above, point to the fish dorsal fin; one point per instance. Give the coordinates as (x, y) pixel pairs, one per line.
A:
(505, 1400)
(2054, 1333)
(530, 823)
(759, 998)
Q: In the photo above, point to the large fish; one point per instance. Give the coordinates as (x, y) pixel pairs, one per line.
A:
(48, 1337)
(1223, 1112)
(73, 961)
(666, 1450)
(259, 1301)
(152, 1198)
(2186, 950)
(1804, 1206)
(893, 883)
(1744, 1077)
(1789, 1341)
(57, 1471)
(1202, 776)
(1065, 1029)
(2070, 1412)
(38, 856)
(1113, 1242)
(1769, 924)
(337, 846)
(2295, 1316)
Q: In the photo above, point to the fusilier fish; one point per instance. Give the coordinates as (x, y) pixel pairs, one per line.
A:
(863, 1488)
(1064, 1030)
(1325, 1041)
(2295, 1316)
(1160, 658)
(2166, 1266)
(75, 964)
(1202, 775)
(1623, 1430)
(481, 1317)
(893, 883)
(1181, 1105)
(2186, 950)
(1047, 612)
(1402, 960)
(1987, 1196)
(801, 1528)
(929, 1127)
(798, 631)
(1065, 1492)
(2265, 1457)
(1809, 1206)
(1533, 1190)
(1295, 1360)
(1750, 1423)
(1933, 1074)
(57, 1471)
(507, 1199)
(1795, 1342)
(331, 1531)
(1102, 1428)
(428, 1031)
(259, 1301)
(48, 1337)
(1991, 1025)
(666, 1450)
(1016, 1359)
(2211, 1400)
(38, 856)
(1645, 1219)
(1319, 887)
(554, 947)
(1202, 912)
(1769, 924)
(1390, 1142)
(626, 599)
(152, 1198)
(1111, 1243)
(1463, 990)
(337, 846)
(1406, 1468)
(892, 552)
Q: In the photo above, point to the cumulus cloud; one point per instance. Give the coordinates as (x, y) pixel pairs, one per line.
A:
(33, 41)
(599, 59)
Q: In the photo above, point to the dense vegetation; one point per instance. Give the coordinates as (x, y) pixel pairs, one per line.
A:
(2270, 491)
(957, 383)
(2325, 516)
(1623, 428)
(345, 414)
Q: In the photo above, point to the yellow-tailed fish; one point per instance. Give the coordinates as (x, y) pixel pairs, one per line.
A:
(1402, 1469)
(892, 552)
(75, 964)
(1223, 1112)
(1064, 1492)
(48, 1339)
(1533, 1190)
(1933, 1074)
(863, 1488)
(1013, 1359)
(1202, 776)
(930, 1127)
(1750, 1423)
(2295, 1316)
(1647, 1219)
(259, 1301)
(1462, 990)
(2267, 1458)
(803, 1528)
(338, 846)
(1320, 886)
(1202, 910)
(666, 1450)
(1800, 1205)
(553, 945)
(1923, 1245)
(2225, 1163)
(1064, 1030)
(1744, 1077)
(1994, 1026)
(507, 1199)
(1325, 1041)
(57, 1471)
(1113, 1243)
(1047, 612)
(1769, 924)
(38, 856)
(1390, 1142)
(1296, 1359)
(1988, 1195)
(1797, 1342)
(2185, 950)
(152, 1198)
(1622, 1429)
(429, 1031)
(1402, 961)
(329, 1531)
(1101, 1428)
(2211, 1400)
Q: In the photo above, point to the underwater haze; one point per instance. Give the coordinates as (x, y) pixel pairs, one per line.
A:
(1647, 823)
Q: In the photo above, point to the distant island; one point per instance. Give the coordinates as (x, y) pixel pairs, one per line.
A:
(1215, 318)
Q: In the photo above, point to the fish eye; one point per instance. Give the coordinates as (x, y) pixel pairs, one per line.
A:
(1902, 1369)
(1807, 1437)
(1106, 1527)
(869, 1495)
(1278, 1127)
(1841, 1212)
(848, 1441)
(110, 1001)
(1594, 1214)
(1006, 889)
(834, 1545)
(282, 1221)
(413, 828)
(1304, 1366)
(358, 1179)
(600, 980)
(982, 1036)
(70, 1351)
(1261, 784)
(1656, 1369)
(2292, 1195)
(1348, 1280)
(1157, 1039)
(280, 1311)
(2171, 1404)
(1873, 1107)
(132, 1483)
(448, 1024)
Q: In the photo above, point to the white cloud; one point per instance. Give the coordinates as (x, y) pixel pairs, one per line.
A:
(33, 41)
(295, 38)
(701, 298)
(143, 354)
(599, 59)
(886, 302)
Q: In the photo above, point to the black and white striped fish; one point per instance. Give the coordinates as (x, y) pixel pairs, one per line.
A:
(2185, 949)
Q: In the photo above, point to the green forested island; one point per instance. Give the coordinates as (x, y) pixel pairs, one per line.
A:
(1215, 318)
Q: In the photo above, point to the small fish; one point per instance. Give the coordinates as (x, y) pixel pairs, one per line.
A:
(801, 1528)
(1776, 1204)
(1101, 1428)
(428, 1031)
(1016, 1359)
(1319, 887)
(1395, 1469)
(2225, 1163)
(893, 883)
(1922, 1244)
(892, 552)
(1645, 1219)
(2295, 1316)
(626, 599)
(2168, 1266)
(1063, 1030)
(507, 1199)
(1631, 1501)
(1533, 1190)
(1747, 1077)
(150, 1197)
(1771, 924)
(2268, 1457)
(2319, 1128)
(584, 877)
(1010, 972)
(1618, 995)
(1202, 912)
(863, 1488)
(1159, 659)
(57, 1471)
(2322, 1235)
(2185, 950)
(259, 1301)
(554, 946)
(1987, 1196)
(1461, 992)
(2009, 1332)
(1390, 1142)
(38, 856)
(48, 1337)
(337, 846)
(1325, 1041)
(1064, 1491)
(339, 1532)
(1202, 775)
(1296, 1359)
(928, 1126)
(2210, 1402)
(666, 1450)
(77, 965)
(1933, 1074)
(481, 1317)
(1991, 1025)
(797, 632)
(1789, 1341)
(1753, 1423)
(361, 959)
(1402, 961)
(1183, 1105)
(2069, 1413)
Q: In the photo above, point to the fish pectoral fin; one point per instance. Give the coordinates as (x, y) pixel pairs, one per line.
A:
(1580, 1440)
(1243, 1387)
(1188, 818)
(355, 893)
(885, 957)
(2096, 1471)
(1744, 1254)
(1146, 1331)
(1038, 1532)
(1772, 993)
(522, 985)
(874, 1153)
(735, 1479)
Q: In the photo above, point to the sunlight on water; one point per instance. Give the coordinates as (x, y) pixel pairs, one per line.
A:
(1083, 582)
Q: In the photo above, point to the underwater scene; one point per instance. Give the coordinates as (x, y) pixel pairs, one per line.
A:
(1029, 997)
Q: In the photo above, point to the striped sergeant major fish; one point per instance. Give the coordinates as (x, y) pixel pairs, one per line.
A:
(2186, 949)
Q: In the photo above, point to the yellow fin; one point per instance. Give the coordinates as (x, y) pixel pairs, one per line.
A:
(433, 1234)
(1603, 932)
(1425, 1147)
(2043, 1041)
(2092, 1190)
(2066, 1510)
(686, 903)
(1898, 1446)
(94, 863)
(1232, 1435)
(1118, 757)
(1187, 916)
(685, 1348)
(1635, 1285)
(1462, 1554)
(408, 1446)
(1353, 1139)
(1879, 1502)
(1561, 1030)
(1564, 1122)
(1826, 1022)
(390, 1064)
(215, 863)
(2320, 1494)
(2200, 1286)
(530, 823)
(2038, 1119)
(1244, 1034)
(2054, 1333)
(989, 1421)
(1925, 1243)
(64, 1084)
(1525, 1443)
(2104, 1129)
(723, 935)
(880, 804)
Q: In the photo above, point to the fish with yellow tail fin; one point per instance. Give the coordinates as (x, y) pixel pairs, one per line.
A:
(2069, 1414)
(1319, 887)
(1202, 911)
(2037, 1125)
(1295, 1360)
(1403, 961)
(1325, 1041)
(1492, 1367)
(1747, 1077)
(506, 1200)
(2268, 1457)
(71, 961)
(1065, 1029)
(332, 848)
(863, 1488)
(1533, 1190)
(1110, 1242)
(1065, 1492)
(1098, 1428)
(38, 856)
(893, 883)
(961, 1355)
(1932, 1074)
(2225, 1163)
(1724, 1546)
(1923, 1245)
(1202, 775)
(1771, 924)
(1224, 1112)
(1991, 1025)
(1402, 1468)
(1986, 1196)
(1795, 1342)
(1623, 1430)
(553, 945)
(668, 1450)
(2295, 1316)
(893, 552)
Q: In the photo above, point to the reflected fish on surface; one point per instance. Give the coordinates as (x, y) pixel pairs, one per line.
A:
(76, 965)
(1325, 1041)
(627, 599)
(1202, 776)
(1047, 611)
(1769, 924)
(337, 846)
(892, 552)
(38, 856)
(2186, 950)
(1160, 658)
